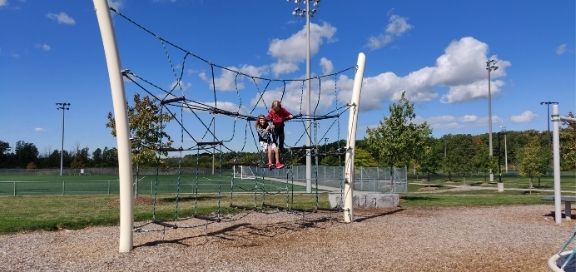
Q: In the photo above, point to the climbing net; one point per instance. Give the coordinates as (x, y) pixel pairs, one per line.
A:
(213, 110)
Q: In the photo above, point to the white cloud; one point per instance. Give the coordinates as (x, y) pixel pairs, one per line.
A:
(40, 130)
(469, 118)
(443, 121)
(396, 27)
(115, 4)
(62, 18)
(224, 105)
(561, 49)
(180, 85)
(524, 117)
(450, 121)
(291, 51)
(228, 80)
(44, 47)
(3, 3)
(475, 90)
(327, 66)
(461, 70)
(284, 67)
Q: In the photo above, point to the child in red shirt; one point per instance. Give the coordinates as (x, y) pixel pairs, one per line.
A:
(278, 115)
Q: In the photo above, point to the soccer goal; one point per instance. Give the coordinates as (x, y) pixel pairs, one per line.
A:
(243, 172)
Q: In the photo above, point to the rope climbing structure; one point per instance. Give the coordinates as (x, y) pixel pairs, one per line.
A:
(213, 108)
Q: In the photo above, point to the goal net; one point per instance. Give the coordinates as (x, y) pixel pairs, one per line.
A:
(243, 172)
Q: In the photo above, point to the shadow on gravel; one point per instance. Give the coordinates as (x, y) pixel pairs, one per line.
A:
(367, 217)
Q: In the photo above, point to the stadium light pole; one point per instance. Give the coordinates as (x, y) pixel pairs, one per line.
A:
(64, 107)
(490, 66)
(307, 12)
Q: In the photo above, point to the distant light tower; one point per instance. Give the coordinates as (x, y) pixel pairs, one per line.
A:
(64, 107)
(307, 12)
(490, 66)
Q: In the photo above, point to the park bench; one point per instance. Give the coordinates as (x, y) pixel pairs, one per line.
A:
(568, 200)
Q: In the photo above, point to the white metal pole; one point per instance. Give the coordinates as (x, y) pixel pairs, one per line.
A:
(490, 149)
(351, 142)
(555, 117)
(505, 154)
(308, 105)
(120, 114)
(62, 143)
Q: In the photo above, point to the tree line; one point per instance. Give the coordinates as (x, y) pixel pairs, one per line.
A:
(397, 141)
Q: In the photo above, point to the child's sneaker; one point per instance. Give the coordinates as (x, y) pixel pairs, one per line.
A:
(270, 166)
(279, 165)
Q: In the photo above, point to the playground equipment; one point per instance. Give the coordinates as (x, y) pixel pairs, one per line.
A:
(564, 260)
(167, 98)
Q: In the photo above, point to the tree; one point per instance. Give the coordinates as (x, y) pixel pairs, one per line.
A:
(110, 157)
(362, 158)
(533, 160)
(53, 159)
(481, 158)
(398, 139)
(80, 159)
(568, 145)
(4, 154)
(459, 154)
(431, 158)
(146, 125)
(97, 158)
(26, 153)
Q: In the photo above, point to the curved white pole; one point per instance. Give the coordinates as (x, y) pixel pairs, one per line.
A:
(351, 142)
(121, 117)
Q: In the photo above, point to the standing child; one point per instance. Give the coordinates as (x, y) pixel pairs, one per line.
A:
(278, 115)
(268, 146)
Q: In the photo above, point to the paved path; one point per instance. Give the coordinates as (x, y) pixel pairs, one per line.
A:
(465, 187)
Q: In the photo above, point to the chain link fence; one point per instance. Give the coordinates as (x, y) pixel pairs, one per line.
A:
(369, 179)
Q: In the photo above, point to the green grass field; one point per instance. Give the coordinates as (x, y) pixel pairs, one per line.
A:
(147, 185)
(72, 202)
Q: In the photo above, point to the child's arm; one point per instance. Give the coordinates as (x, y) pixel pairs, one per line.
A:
(287, 114)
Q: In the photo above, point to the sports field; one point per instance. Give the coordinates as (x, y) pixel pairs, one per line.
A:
(146, 185)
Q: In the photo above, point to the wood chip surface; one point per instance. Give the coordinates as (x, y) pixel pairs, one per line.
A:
(503, 238)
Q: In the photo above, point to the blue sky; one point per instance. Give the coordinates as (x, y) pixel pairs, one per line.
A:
(435, 51)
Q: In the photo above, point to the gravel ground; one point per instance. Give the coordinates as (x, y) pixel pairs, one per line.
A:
(507, 238)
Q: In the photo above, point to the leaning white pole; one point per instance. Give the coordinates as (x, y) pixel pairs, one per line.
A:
(351, 141)
(556, 150)
(120, 114)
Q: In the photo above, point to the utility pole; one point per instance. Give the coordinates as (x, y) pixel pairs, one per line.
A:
(490, 66)
(64, 107)
(307, 12)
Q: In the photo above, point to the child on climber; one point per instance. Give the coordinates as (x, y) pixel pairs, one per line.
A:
(278, 115)
(268, 145)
